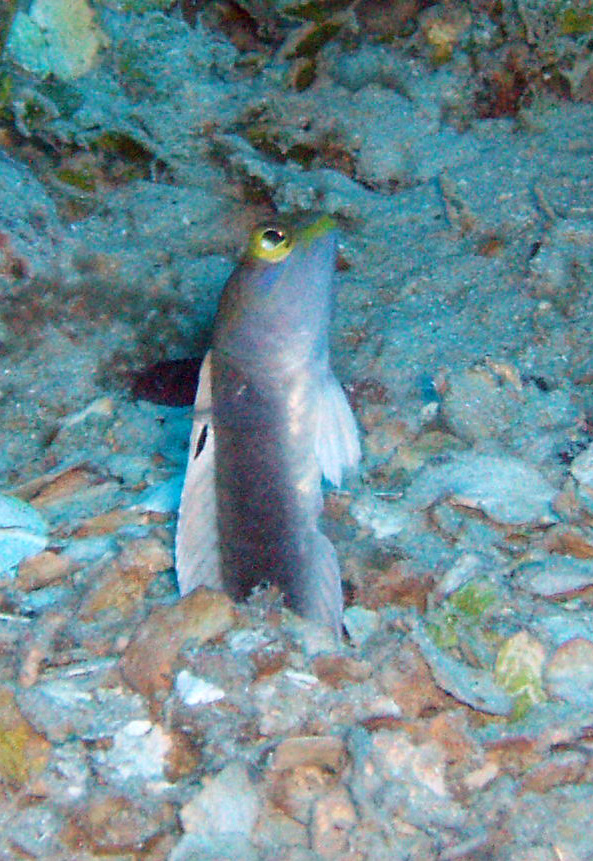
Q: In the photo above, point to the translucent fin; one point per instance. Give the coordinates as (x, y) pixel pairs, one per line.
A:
(322, 598)
(337, 446)
(196, 542)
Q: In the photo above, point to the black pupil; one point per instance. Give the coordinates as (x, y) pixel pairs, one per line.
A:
(272, 237)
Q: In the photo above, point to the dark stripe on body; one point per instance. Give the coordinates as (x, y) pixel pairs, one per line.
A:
(264, 458)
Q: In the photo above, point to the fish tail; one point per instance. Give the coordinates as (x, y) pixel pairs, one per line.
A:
(321, 597)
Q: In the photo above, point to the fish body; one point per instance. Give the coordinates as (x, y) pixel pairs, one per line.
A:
(270, 420)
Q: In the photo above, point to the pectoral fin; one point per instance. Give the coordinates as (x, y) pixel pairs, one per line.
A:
(337, 446)
(196, 542)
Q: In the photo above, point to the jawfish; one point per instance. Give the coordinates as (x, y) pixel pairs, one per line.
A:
(270, 419)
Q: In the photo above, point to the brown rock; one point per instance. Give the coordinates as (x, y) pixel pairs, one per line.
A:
(323, 751)
(338, 670)
(399, 584)
(569, 672)
(568, 767)
(570, 544)
(395, 755)
(294, 791)
(514, 755)
(183, 756)
(123, 581)
(55, 487)
(201, 616)
(270, 659)
(406, 678)
(449, 729)
(111, 521)
(115, 824)
(42, 569)
(333, 818)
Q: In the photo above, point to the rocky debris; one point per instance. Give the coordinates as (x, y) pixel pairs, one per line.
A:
(111, 823)
(326, 752)
(43, 569)
(493, 403)
(518, 670)
(194, 691)
(82, 707)
(32, 235)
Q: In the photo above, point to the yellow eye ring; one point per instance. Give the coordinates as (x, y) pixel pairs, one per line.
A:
(271, 243)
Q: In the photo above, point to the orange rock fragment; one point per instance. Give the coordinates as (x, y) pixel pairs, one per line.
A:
(405, 677)
(294, 791)
(42, 569)
(567, 767)
(54, 488)
(339, 670)
(449, 729)
(147, 663)
(571, 544)
(111, 521)
(324, 751)
(114, 824)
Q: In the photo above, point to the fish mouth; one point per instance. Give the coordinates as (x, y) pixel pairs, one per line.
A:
(322, 225)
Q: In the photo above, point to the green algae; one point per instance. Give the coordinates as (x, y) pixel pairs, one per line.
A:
(474, 598)
(518, 670)
(23, 751)
(14, 762)
(575, 22)
(82, 180)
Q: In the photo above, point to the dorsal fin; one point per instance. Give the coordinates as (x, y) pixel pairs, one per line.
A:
(197, 559)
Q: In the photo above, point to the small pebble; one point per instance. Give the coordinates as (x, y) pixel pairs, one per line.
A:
(194, 691)
(44, 568)
(360, 623)
(227, 803)
(138, 754)
(555, 576)
(506, 489)
(333, 818)
(568, 674)
(325, 751)
(23, 532)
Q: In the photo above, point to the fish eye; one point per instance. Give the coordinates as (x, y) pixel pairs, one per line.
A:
(272, 238)
(271, 243)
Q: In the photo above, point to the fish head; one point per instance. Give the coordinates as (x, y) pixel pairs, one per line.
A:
(277, 303)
